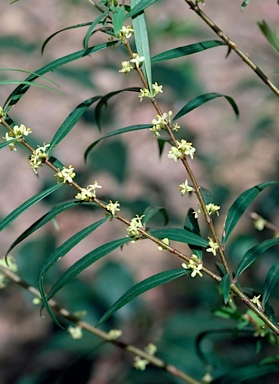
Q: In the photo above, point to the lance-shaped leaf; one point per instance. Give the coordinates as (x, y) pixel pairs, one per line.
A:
(244, 4)
(139, 7)
(118, 20)
(92, 27)
(17, 94)
(151, 211)
(198, 101)
(85, 262)
(181, 235)
(103, 102)
(45, 219)
(271, 35)
(252, 254)
(31, 73)
(70, 121)
(27, 204)
(142, 43)
(247, 373)
(115, 133)
(186, 50)
(191, 224)
(140, 288)
(271, 279)
(225, 286)
(60, 252)
(30, 84)
(240, 205)
(62, 30)
(5, 143)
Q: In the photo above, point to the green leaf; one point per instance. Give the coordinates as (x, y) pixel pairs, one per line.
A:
(195, 103)
(142, 4)
(240, 205)
(244, 4)
(271, 313)
(43, 220)
(116, 132)
(180, 235)
(225, 286)
(270, 281)
(191, 224)
(30, 84)
(151, 211)
(70, 121)
(60, 252)
(92, 27)
(27, 204)
(141, 41)
(5, 143)
(85, 262)
(243, 374)
(118, 20)
(186, 50)
(62, 30)
(271, 36)
(103, 102)
(252, 254)
(31, 73)
(17, 94)
(140, 288)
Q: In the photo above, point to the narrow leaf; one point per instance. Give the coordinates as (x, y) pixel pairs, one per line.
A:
(64, 248)
(5, 143)
(186, 50)
(116, 132)
(27, 204)
(151, 211)
(141, 41)
(103, 102)
(244, 4)
(92, 27)
(198, 101)
(225, 286)
(240, 205)
(252, 254)
(62, 30)
(43, 220)
(141, 5)
(30, 84)
(140, 288)
(31, 73)
(85, 262)
(17, 94)
(70, 121)
(270, 281)
(180, 235)
(118, 20)
(271, 36)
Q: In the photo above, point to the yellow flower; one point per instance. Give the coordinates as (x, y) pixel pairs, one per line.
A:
(113, 207)
(126, 67)
(213, 247)
(184, 188)
(195, 264)
(66, 175)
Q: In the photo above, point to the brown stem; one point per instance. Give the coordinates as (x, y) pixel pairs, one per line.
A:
(232, 46)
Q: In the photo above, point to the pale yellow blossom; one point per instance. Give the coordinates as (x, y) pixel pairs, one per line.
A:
(184, 188)
(66, 175)
(195, 264)
(113, 207)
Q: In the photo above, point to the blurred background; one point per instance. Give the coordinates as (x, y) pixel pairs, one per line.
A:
(232, 155)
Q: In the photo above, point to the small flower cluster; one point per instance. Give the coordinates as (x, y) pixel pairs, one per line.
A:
(9, 263)
(38, 156)
(66, 175)
(184, 148)
(184, 188)
(113, 207)
(125, 33)
(260, 223)
(213, 247)
(161, 123)
(155, 90)
(88, 193)
(165, 241)
(135, 224)
(211, 209)
(256, 300)
(136, 60)
(195, 264)
(2, 113)
(115, 333)
(139, 362)
(75, 332)
(17, 133)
